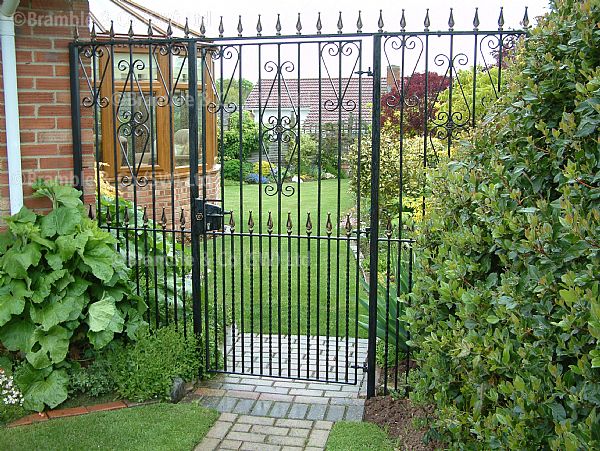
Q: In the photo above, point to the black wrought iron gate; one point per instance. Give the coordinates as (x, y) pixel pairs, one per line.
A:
(260, 211)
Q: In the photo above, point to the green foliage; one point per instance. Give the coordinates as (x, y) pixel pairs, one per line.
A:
(486, 86)
(323, 152)
(62, 286)
(230, 141)
(170, 255)
(145, 369)
(389, 167)
(506, 309)
(231, 90)
(94, 380)
(231, 170)
(10, 413)
(391, 297)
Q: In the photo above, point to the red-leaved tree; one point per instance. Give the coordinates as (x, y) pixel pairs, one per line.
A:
(414, 89)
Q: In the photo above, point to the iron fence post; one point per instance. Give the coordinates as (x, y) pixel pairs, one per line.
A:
(76, 117)
(374, 213)
(194, 192)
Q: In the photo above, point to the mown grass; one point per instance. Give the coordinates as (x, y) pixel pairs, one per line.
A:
(293, 281)
(354, 436)
(168, 427)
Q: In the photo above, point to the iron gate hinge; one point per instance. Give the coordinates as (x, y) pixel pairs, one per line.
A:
(368, 72)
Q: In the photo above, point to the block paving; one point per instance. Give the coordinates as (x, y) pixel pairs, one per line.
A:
(274, 413)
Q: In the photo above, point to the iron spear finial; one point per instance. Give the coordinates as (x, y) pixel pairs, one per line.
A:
(427, 22)
(278, 26)
(239, 26)
(319, 23)
(476, 19)
(501, 18)
(186, 28)
(359, 23)
(221, 28)
(451, 20)
(525, 21)
(251, 223)
(380, 22)
(340, 24)
(403, 21)
(259, 27)
(298, 26)
(202, 28)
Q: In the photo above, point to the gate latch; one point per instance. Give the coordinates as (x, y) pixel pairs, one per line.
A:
(362, 366)
(368, 72)
(209, 216)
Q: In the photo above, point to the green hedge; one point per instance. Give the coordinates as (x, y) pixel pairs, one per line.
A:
(506, 312)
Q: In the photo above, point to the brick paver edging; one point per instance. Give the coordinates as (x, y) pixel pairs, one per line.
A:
(75, 411)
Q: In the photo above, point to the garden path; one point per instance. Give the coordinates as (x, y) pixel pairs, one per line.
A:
(269, 413)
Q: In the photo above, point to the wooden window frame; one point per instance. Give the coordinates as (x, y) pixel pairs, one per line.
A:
(164, 147)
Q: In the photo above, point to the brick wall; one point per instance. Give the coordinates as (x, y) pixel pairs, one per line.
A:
(43, 30)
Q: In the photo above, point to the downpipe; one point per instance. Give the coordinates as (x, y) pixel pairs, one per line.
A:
(11, 104)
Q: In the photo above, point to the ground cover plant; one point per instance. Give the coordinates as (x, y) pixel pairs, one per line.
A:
(506, 308)
(348, 435)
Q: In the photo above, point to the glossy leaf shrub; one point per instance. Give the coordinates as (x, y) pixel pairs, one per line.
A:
(506, 309)
(63, 287)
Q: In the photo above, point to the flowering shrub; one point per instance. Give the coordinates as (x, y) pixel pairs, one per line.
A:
(254, 179)
(10, 395)
(264, 168)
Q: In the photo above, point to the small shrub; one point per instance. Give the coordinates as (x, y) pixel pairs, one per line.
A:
(231, 138)
(389, 167)
(145, 369)
(231, 169)
(264, 168)
(94, 380)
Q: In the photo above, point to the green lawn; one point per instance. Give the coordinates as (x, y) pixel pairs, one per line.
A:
(286, 291)
(354, 436)
(166, 427)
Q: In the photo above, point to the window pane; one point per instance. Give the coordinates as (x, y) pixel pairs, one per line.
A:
(133, 129)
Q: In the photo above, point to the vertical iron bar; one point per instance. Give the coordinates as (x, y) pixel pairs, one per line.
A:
(194, 191)
(183, 274)
(76, 117)
(241, 211)
(358, 273)
(152, 156)
(164, 264)
(232, 262)
(386, 351)
(319, 192)
(251, 246)
(298, 241)
(260, 241)
(279, 191)
(374, 229)
(410, 284)
(215, 294)
(473, 121)
(270, 265)
(338, 207)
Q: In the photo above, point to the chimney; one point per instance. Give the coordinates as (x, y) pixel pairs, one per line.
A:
(393, 72)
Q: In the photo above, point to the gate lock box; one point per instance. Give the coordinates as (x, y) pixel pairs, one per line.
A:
(209, 216)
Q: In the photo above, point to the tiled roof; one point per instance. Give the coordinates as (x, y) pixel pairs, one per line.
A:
(314, 92)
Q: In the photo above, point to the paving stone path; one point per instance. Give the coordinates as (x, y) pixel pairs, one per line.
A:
(268, 413)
